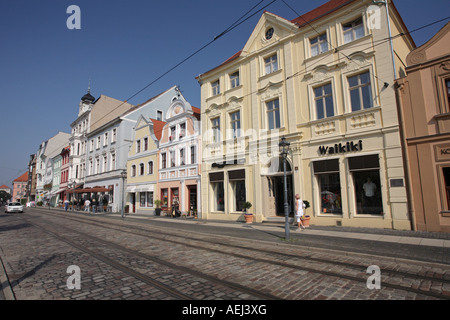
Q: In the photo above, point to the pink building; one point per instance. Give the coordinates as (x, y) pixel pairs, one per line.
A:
(20, 187)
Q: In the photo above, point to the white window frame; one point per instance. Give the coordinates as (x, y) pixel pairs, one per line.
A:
(215, 87)
(352, 30)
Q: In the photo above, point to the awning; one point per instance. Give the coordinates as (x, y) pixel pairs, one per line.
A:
(145, 188)
(131, 189)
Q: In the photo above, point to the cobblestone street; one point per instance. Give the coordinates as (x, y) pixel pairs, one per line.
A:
(164, 259)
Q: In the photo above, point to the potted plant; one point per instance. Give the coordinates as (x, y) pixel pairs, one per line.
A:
(306, 218)
(247, 215)
(158, 208)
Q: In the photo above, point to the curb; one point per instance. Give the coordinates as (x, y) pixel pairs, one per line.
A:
(4, 282)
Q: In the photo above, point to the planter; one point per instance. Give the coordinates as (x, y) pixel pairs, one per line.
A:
(157, 212)
(248, 218)
(305, 221)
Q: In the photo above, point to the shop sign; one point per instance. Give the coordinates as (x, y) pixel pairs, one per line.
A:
(442, 152)
(341, 148)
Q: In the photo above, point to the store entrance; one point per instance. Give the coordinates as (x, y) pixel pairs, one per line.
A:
(278, 194)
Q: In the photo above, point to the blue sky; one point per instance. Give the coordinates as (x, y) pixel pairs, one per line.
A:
(123, 46)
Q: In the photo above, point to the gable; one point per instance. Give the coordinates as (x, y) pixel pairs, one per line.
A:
(269, 29)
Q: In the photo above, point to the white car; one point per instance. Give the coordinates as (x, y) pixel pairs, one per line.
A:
(14, 207)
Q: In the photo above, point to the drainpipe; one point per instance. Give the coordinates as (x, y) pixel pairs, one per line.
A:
(386, 3)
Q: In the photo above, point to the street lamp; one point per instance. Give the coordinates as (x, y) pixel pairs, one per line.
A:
(284, 150)
(123, 175)
(72, 184)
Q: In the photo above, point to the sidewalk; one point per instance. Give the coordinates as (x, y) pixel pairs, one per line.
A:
(419, 238)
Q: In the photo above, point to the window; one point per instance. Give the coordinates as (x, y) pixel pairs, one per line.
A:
(146, 199)
(133, 170)
(216, 129)
(141, 169)
(91, 167)
(447, 84)
(234, 79)
(273, 114)
(323, 98)
(92, 145)
(353, 30)
(327, 175)
(219, 200)
(163, 160)
(105, 161)
(159, 115)
(193, 155)
(235, 122)
(360, 91)
(182, 129)
(237, 182)
(113, 161)
(215, 88)
(271, 64)
(366, 180)
(172, 158)
(138, 146)
(319, 45)
(150, 167)
(173, 132)
(269, 33)
(105, 142)
(182, 157)
(114, 135)
(145, 144)
(97, 165)
(446, 172)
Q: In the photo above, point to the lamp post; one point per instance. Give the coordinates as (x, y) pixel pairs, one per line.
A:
(72, 184)
(123, 175)
(284, 150)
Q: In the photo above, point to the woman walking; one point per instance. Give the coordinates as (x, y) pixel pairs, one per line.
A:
(299, 205)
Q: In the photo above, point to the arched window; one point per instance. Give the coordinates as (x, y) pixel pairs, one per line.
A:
(141, 169)
(133, 170)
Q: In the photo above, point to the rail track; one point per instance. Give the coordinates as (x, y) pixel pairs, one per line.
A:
(419, 279)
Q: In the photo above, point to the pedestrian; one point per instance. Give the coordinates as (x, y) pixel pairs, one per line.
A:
(299, 205)
(87, 203)
(66, 204)
(94, 205)
(174, 207)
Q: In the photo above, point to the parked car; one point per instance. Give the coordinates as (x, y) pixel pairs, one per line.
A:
(14, 207)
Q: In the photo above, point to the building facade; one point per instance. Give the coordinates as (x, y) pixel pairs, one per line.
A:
(179, 158)
(20, 188)
(324, 81)
(142, 165)
(424, 99)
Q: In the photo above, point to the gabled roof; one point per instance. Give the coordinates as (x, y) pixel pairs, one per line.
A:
(22, 178)
(4, 187)
(311, 16)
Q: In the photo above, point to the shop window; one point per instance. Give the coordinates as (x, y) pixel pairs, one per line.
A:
(237, 181)
(327, 175)
(146, 199)
(216, 180)
(447, 87)
(366, 180)
(446, 172)
(165, 197)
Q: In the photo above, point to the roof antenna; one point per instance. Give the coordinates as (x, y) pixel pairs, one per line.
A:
(89, 86)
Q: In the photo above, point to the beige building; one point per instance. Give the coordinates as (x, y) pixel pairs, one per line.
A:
(325, 82)
(424, 96)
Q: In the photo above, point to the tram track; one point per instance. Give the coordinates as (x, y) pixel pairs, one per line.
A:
(138, 275)
(355, 272)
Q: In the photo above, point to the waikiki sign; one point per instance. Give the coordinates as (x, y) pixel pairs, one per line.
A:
(341, 148)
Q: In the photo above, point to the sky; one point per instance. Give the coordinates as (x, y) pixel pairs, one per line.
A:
(123, 47)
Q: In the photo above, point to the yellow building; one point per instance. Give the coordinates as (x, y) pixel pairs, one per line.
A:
(324, 81)
(142, 165)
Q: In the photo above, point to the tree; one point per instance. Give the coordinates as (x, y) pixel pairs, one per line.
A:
(4, 196)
